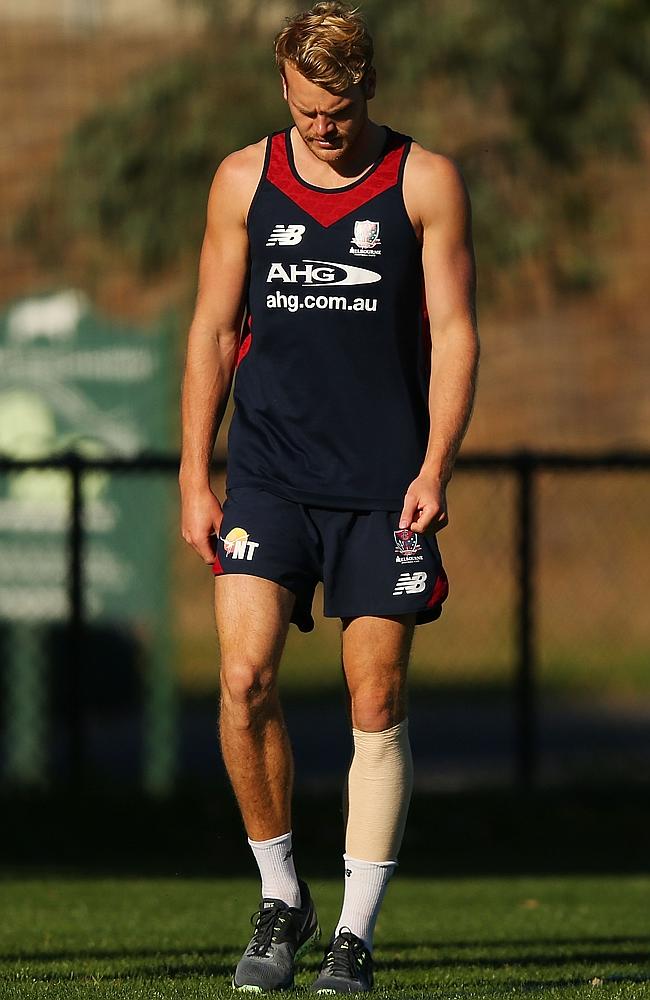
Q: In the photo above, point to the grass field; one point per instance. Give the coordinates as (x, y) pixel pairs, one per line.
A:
(556, 937)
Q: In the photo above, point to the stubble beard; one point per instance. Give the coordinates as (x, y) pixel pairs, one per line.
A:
(327, 155)
(337, 152)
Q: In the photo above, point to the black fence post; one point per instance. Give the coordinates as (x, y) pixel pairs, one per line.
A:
(74, 686)
(524, 688)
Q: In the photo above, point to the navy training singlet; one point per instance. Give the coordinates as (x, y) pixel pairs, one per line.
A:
(331, 386)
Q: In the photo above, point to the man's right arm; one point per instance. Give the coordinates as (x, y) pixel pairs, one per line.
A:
(213, 342)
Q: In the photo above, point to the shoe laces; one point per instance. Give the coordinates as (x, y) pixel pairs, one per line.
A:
(345, 955)
(268, 923)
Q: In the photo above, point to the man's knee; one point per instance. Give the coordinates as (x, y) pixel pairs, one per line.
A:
(247, 692)
(376, 707)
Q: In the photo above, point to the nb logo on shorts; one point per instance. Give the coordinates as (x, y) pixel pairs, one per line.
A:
(410, 583)
(285, 236)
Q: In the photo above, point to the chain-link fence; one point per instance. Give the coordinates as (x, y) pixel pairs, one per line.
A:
(536, 671)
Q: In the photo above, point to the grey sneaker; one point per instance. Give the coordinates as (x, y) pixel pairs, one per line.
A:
(281, 934)
(346, 967)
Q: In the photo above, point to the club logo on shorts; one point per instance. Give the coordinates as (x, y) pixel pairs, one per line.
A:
(410, 583)
(365, 241)
(285, 236)
(238, 545)
(406, 546)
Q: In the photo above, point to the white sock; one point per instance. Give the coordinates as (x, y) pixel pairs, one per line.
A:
(275, 861)
(365, 885)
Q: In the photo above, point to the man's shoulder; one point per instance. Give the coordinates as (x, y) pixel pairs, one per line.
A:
(433, 183)
(434, 166)
(243, 165)
(235, 181)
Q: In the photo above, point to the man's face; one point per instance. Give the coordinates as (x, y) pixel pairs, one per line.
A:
(329, 123)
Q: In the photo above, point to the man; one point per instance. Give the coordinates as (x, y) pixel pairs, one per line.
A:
(326, 246)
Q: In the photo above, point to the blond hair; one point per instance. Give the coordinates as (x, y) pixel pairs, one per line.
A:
(329, 44)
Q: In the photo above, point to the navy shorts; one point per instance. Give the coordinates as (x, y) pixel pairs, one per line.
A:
(367, 564)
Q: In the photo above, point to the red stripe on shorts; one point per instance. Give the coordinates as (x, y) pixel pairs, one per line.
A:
(440, 590)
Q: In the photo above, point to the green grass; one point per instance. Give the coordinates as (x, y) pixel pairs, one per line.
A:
(552, 937)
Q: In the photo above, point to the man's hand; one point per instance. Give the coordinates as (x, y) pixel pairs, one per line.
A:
(201, 520)
(425, 506)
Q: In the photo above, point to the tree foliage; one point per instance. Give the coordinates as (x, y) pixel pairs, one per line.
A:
(570, 74)
(135, 175)
(540, 89)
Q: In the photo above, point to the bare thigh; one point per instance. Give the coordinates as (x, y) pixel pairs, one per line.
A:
(252, 617)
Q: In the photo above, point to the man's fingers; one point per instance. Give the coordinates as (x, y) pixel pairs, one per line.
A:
(206, 551)
(421, 522)
(425, 508)
(203, 547)
(201, 522)
(208, 548)
(430, 521)
(409, 511)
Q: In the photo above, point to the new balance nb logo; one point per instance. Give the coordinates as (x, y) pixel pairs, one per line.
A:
(410, 583)
(285, 236)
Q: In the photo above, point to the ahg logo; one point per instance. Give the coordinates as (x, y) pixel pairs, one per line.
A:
(320, 273)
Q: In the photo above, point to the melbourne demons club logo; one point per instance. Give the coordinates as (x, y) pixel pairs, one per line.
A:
(365, 241)
(407, 546)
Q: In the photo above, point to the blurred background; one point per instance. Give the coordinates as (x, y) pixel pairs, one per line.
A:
(531, 696)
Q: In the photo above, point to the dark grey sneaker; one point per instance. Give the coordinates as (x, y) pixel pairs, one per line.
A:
(281, 934)
(346, 967)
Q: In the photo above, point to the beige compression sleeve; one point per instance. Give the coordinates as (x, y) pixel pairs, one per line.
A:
(379, 785)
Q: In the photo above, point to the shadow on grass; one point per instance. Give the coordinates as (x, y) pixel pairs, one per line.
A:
(217, 961)
(396, 946)
(166, 964)
(106, 954)
(622, 939)
(530, 958)
(134, 972)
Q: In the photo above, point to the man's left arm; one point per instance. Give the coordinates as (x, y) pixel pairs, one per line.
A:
(441, 203)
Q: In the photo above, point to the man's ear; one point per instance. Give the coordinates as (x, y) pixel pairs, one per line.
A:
(285, 89)
(370, 83)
